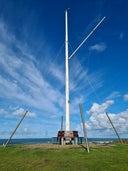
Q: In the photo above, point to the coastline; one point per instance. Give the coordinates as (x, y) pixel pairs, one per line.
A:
(49, 141)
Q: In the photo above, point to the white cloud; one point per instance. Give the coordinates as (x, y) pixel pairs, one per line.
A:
(23, 81)
(98, 124)
(19, 111)
(126, 97)
(97, 108)
(98, 47)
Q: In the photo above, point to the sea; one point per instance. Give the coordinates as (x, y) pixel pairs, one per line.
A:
(50, 140)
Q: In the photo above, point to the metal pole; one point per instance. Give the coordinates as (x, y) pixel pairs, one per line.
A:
(61, 123)
(67, 72)
(15, 129)
(86, 38)
(84, 128)
(114, 128)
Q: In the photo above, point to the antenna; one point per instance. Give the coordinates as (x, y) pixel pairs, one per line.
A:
(67, 58)
(67, 136)
(67, 72)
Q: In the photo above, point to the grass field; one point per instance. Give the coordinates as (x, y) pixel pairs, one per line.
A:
(112, 158)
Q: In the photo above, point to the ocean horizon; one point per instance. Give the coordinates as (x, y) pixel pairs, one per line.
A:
(48, 140)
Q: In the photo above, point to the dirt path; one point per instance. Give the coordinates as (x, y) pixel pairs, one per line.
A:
(59, 147)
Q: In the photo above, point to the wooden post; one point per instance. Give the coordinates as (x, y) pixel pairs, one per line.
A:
(114, 128)
(84, 128)
(15, 129)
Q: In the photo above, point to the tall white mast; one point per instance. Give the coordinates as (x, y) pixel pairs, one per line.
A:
(67, 73)
(67, 58)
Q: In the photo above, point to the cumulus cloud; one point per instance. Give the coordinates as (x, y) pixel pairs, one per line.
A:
(97, 108)
(98, 47)
(19, 111)
(98, 124)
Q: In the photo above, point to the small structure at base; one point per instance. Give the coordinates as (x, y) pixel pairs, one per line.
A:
(67, 137)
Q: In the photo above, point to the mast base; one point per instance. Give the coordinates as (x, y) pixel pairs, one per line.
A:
(68, 137)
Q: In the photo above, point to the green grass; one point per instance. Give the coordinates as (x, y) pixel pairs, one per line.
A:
(114, 158)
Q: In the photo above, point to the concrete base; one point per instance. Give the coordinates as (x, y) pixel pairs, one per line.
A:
(68, 137)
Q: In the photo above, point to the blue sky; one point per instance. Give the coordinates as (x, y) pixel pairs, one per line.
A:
(32, 67)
